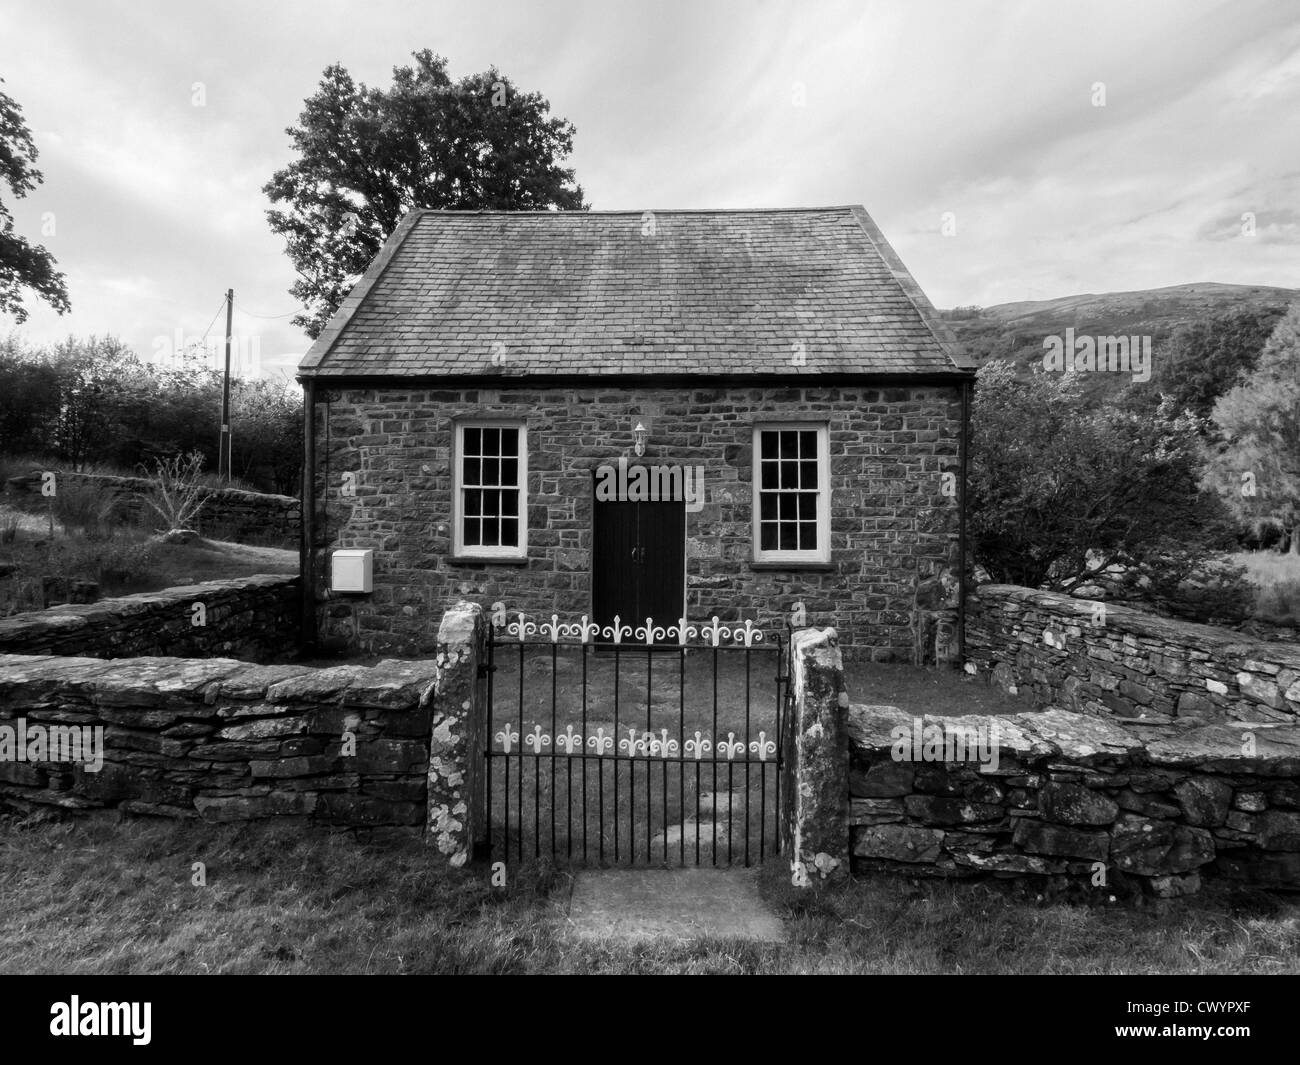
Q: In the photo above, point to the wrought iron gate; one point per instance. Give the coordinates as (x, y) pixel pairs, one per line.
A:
(604, 745)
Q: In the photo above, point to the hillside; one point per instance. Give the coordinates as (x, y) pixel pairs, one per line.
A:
(1016, 330)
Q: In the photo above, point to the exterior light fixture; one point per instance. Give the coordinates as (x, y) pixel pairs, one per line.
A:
(640, 434)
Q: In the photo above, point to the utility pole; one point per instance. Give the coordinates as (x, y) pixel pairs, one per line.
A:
(223, 453)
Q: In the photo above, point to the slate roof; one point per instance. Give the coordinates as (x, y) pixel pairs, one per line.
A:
(526, 294)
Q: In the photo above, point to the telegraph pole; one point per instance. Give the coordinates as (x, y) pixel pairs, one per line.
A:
(223, 453)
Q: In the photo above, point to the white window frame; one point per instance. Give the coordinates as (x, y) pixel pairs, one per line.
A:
(822, 553)
(479, 552)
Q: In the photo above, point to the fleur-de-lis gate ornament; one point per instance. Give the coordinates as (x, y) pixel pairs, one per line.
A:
(570, 741)
(633, 744)
(537, 739)
(698, 747)
(662, 745)
(507, 737)
(762, 747)
(600, 741)
(731, 746)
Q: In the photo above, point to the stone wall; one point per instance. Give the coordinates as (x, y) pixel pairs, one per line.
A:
(1075, 797)
(395, 746)
(893, 528)
(253, 617)
(226, 514)
(226, 740)
(1111, 660)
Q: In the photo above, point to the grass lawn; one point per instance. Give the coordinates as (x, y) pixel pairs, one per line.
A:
(1276, 579)
(102, 897)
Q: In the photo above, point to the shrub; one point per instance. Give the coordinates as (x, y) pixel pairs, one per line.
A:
(176, 494)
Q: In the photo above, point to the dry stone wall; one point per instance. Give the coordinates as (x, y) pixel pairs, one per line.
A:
(224, 740)
(1110, 660)
(226, 514)
(255, 617)
(1075, 797)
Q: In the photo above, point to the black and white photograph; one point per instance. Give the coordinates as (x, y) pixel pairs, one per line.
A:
(650, 488)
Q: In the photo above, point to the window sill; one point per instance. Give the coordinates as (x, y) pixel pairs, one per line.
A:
(487, 560)
(825, 566)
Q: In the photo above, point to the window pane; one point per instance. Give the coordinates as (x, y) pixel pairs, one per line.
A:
(789, 475)
(491, 471)
(768, 474)
(510, 471)
(491, 532)
(807, 475)
(767, 536)
(807, 506)
(510, 532)
(473, 503)
(473, 441)
(491, 441)
(510, 441)
(808, 538)
(473, 470)
(789, 536)
(472, 534)
(808, 443)
(767, 508)
(767, 444)
(510, 504)
(789, 445)
(789, 506)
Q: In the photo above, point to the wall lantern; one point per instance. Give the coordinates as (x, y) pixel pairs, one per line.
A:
(639, 433)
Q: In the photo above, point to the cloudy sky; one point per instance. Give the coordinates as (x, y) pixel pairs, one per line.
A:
(983, 113)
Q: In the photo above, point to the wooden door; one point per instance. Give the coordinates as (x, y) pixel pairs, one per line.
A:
(638, 562)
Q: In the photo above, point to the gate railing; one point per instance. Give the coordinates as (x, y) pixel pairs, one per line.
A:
(609, 748)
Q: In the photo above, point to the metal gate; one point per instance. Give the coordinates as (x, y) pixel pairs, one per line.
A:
(607, 745)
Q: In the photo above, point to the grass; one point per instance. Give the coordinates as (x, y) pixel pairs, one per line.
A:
(1276, 580)
(21, 465)
(97, 896)
(124, 561)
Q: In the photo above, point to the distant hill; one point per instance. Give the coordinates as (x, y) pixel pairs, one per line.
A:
(1016, 330)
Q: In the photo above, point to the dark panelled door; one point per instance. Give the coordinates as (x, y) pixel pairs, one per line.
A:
(638, 562)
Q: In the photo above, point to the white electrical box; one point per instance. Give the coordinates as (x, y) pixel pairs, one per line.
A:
(352, 571)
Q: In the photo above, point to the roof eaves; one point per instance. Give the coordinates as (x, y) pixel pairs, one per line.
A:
(341, 317)
(943, 335)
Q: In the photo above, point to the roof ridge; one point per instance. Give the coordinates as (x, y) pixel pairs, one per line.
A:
(634, 211)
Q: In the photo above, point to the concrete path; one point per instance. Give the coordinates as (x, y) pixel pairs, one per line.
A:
(671, 904)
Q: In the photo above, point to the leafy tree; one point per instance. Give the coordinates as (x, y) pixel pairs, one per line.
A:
(1203, 359)
(22, 265)
(366, 156)
(1257, 467)
(1064, 496)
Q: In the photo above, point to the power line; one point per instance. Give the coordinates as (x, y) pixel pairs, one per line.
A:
(250, 314)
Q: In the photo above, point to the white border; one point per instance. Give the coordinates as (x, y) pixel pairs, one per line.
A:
(480, 553)
(823, 553)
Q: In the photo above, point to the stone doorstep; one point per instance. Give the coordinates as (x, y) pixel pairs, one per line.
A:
(671, 904)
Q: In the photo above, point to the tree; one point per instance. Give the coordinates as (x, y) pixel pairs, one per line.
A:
(1064, 496)
(1257, 467)
(366, 156)
(22, 265)
(1204, 359)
